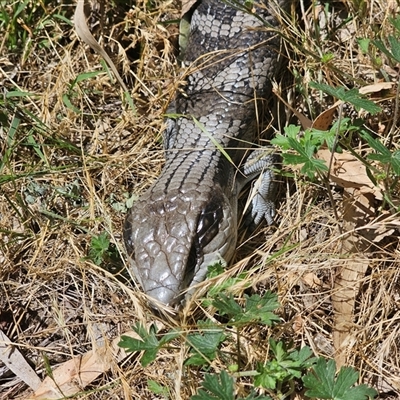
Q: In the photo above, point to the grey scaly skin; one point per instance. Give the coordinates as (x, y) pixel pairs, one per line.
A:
(188, 219)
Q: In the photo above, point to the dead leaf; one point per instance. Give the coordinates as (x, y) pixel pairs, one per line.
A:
(376, 87)
(74, 375)
(187, 5)
(349, 172)
(380, 237)
(298, 324)
(311, 280)
(325, 119)
(14, 360)
(323, 345)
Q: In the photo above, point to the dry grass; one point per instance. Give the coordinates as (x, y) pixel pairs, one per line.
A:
(67, 174)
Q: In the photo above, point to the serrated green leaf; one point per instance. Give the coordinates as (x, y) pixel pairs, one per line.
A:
(375, 144)
(218, 269)
(98, 247)
(158, 389)
(354, 97)
(204, 345)
(382, 47)
(396, 162)
(305, 149)
(265, 378)
(284, 366)
(227, 305)
(282, 140)
(261, 308)
(322, 380)
(334, 92)
(395, 22)
(384, 156)
(351, 96)
(148, 343)
(214, 270)
(217, 387)
(395, 46)
(322, 383)
(294, 159)
(277, 349)
(304, 356)
(171, 335)
(314, 165)
(256, 309)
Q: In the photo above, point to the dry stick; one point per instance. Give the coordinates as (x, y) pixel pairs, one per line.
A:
(84, 34)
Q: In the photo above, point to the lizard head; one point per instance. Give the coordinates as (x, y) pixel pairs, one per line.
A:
(171, 238)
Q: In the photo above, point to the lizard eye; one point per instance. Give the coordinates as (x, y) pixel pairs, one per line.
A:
(209, 223)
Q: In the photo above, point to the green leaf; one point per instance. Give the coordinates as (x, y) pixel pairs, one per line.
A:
(204, 345)
(256, 309)
(217, 269)
(285, 366)
(98, 247)
(305, 147)
(304, 356)
(69, 105)
(396, 162)
(168, 337)
(383, 154)
(148, 343)
(364, 44)
(395, 45)
(227, 305)
(260, 308)
(327, 57)
(395, 22)
(282, 140)
(87, 75)
(216, 387)
(382, 47)
(375, 144)
(351, 96)
(18, 93)
(323, 384)
(267, 377)
(158, 389)
(63, 18)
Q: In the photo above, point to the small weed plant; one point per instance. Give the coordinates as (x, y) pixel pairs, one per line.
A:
(382, 161)
(284, 369)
